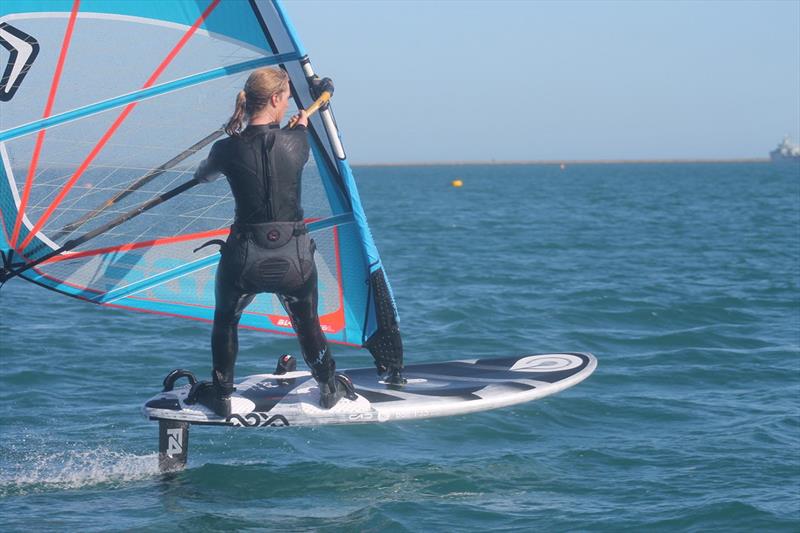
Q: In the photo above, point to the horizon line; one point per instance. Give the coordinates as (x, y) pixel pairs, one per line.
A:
(564, 162)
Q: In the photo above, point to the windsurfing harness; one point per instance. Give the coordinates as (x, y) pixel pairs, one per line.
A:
(83, 142)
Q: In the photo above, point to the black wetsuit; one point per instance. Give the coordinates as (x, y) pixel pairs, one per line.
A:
(268, 249)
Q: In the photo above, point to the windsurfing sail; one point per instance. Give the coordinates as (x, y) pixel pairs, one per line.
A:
(107, 104)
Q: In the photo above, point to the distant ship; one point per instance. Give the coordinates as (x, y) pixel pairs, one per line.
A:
(785, 152)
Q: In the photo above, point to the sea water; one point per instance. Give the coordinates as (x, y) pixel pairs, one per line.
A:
(681, 278)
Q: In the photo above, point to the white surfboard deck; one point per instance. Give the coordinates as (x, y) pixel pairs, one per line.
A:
(433, 389)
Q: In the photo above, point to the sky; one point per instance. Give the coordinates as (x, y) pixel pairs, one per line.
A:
(538, 80)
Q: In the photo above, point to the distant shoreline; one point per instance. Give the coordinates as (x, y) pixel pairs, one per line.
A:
(564, 162)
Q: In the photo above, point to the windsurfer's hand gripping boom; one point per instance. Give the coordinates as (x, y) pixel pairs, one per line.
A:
(324, 90)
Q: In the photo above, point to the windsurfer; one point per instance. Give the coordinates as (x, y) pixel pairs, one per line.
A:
(268, 249)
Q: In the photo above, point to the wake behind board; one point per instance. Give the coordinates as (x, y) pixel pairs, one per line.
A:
(433, 389)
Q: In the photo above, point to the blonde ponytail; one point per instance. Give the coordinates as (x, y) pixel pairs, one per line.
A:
(258, 91)
(236, 123)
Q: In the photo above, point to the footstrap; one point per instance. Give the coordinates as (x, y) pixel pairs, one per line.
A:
(347, 384)
(194, 392)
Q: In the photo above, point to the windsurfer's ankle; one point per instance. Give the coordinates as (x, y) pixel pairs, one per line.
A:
(223, 383)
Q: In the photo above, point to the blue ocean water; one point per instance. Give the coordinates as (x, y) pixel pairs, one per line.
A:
(683, 279)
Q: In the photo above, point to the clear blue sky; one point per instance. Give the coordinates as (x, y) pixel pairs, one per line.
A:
(525, 80)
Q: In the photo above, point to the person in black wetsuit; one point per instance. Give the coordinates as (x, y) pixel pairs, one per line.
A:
(268, 249)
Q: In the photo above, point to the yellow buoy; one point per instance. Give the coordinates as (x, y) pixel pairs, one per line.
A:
(456, 183)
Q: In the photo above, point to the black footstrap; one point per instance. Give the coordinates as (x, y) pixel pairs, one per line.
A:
(175, 375)
(347, 384)
(194, 392)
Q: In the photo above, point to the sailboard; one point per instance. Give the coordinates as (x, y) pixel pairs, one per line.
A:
(432, 390)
